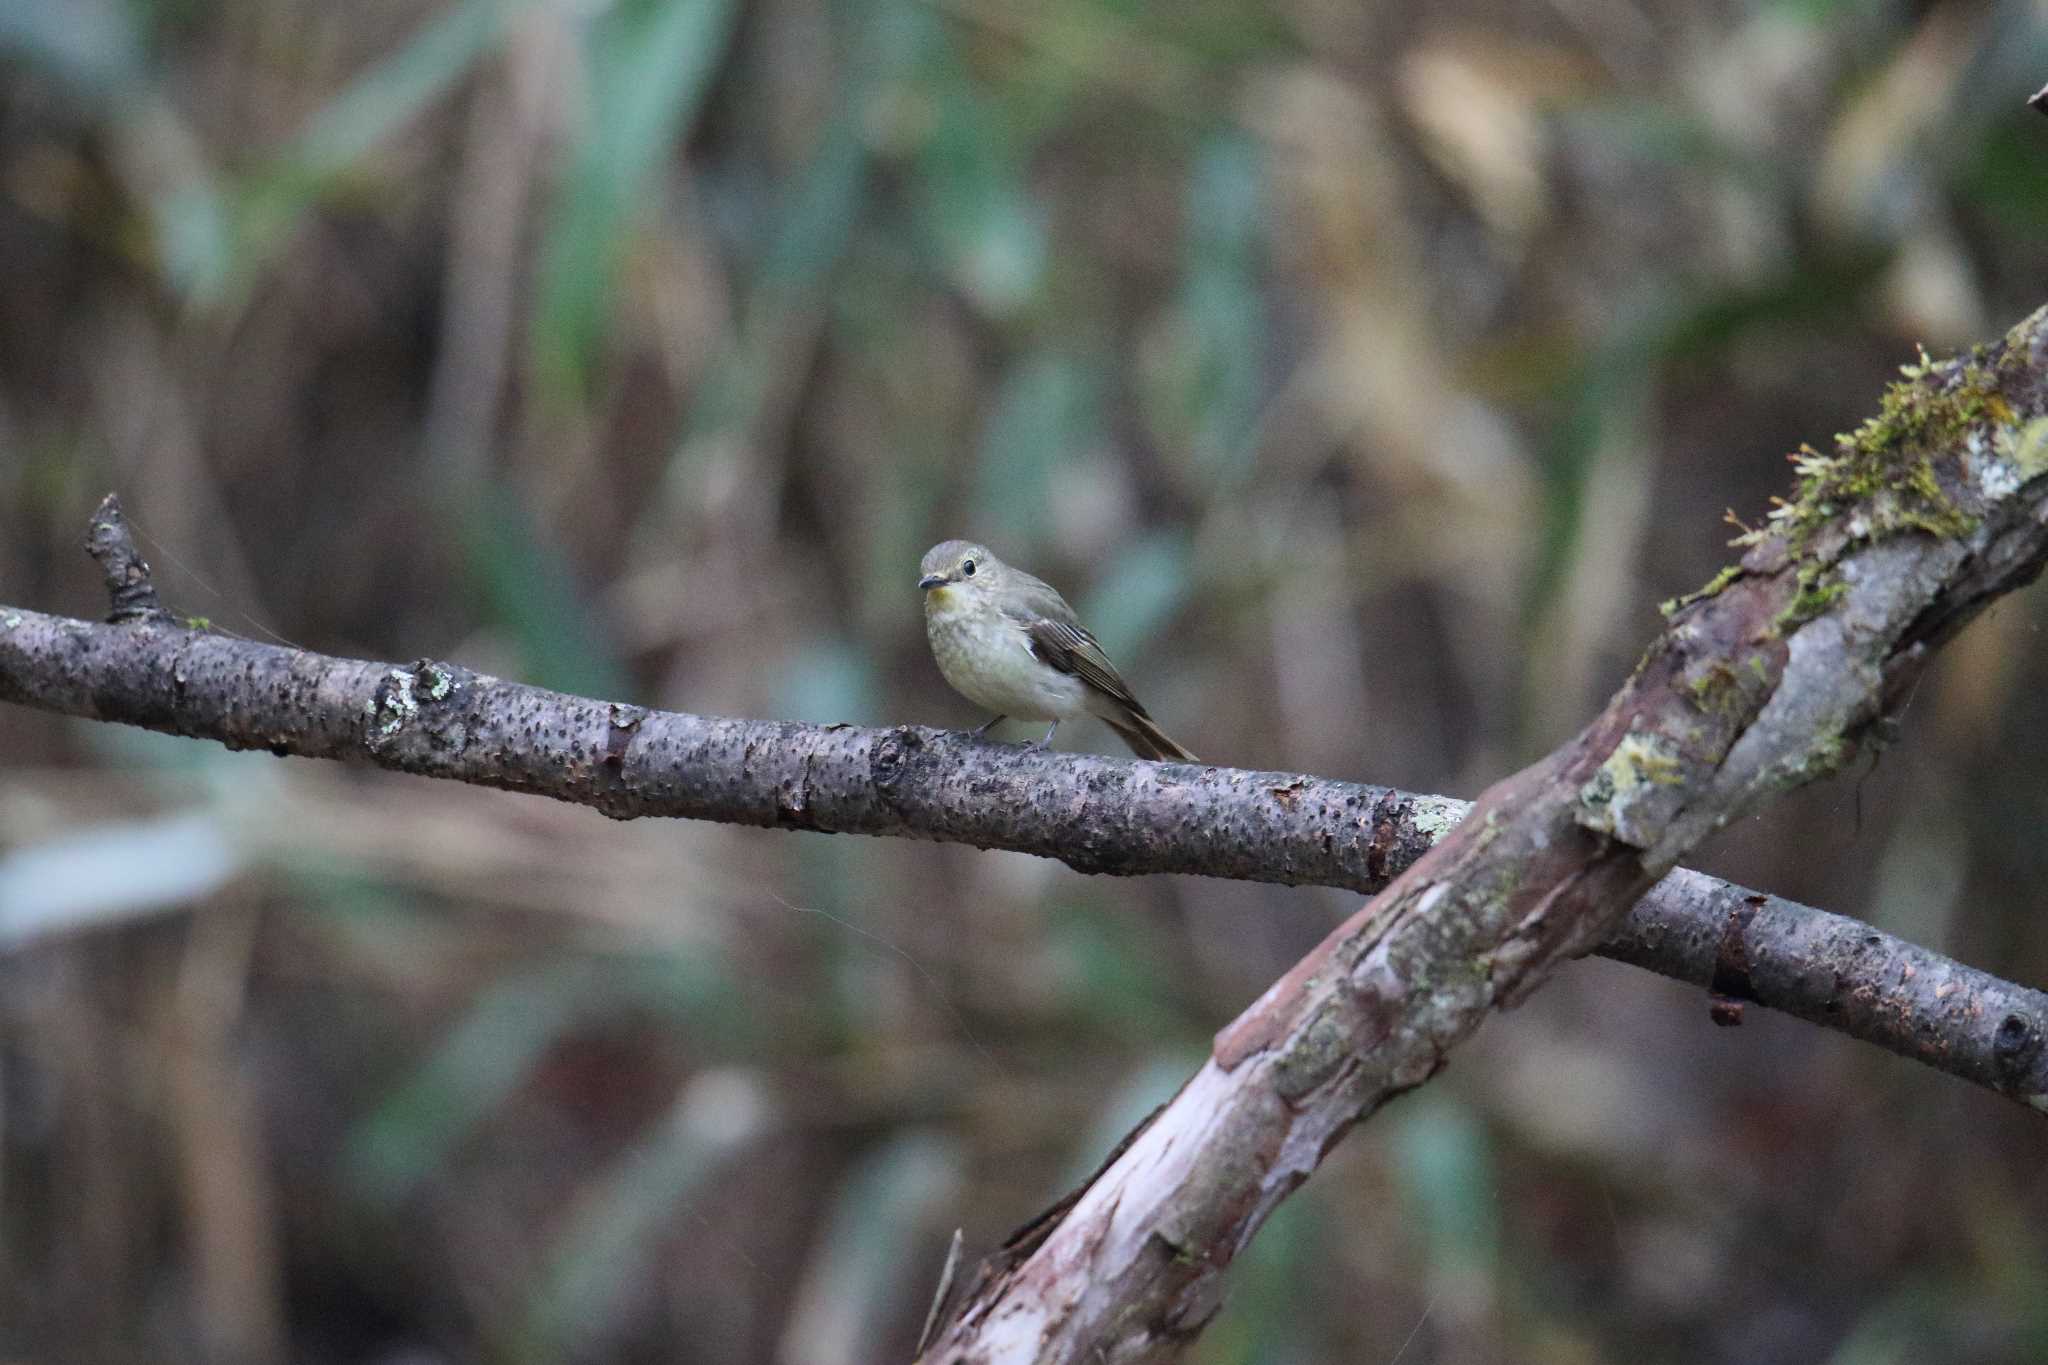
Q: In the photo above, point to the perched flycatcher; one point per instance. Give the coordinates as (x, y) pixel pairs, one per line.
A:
(1009, 642)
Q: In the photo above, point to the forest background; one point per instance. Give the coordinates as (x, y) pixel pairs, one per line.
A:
(1366, 374)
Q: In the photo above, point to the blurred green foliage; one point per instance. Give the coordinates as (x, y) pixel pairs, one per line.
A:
(1365, 374)
(647, 67)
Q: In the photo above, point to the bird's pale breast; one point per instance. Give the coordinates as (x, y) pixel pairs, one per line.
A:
(987, 659)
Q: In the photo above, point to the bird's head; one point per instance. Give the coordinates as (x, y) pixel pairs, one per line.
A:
(955, 572)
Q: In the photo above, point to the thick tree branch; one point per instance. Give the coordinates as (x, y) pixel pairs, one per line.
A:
(1844, 975)
(1772, 676)
(1101, 815)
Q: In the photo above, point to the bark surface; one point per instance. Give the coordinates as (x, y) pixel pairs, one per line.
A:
(1096, 814)
(1772, 676)
(1775, 674)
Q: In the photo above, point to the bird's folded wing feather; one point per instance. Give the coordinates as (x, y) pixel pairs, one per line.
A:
(1070, 649)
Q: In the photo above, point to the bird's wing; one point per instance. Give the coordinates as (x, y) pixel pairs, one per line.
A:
(1064, 645)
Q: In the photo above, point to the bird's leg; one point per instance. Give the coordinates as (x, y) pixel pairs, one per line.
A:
(983, 728)
(1048, 735)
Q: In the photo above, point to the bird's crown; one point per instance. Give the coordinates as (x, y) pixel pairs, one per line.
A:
(957, 559)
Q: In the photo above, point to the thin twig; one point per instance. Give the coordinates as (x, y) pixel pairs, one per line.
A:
(108, 541)
(945, 1291)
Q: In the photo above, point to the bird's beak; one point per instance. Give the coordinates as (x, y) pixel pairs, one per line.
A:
(932, 580)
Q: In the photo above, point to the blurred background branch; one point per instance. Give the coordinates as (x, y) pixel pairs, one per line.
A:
(1331, 358)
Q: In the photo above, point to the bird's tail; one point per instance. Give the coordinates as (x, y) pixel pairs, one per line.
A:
(1146, 739)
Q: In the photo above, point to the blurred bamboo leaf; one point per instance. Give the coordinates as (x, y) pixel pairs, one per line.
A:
(894, 536)
(1204, 363)
(971, 195)
(783, 305)
(1917, 1320)
(1445, 1169)
(1129, 1104)
(394, 91)
(487, 1056)
(862, 974)
(373, 107)
(856, 1284)
(1694, 327)
(1226, 201)
(532, 591)
(785, 288)
(1676, 136)
(111, 873)
(1810, 11)
(90, 45)
(1113, 974)
(1262, 1322)
(1212, 31)
(648, 65)
(1048, 407)
(121, 747)
(95, 50)
(828, 681)
(470, 1072)
(2008, 178)
(611, 1234)
(369, 919)
(1139, 591)
(196, 240)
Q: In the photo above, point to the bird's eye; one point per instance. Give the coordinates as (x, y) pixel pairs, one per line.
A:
(967, 569)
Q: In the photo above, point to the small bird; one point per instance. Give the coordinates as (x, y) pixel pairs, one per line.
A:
(1010, 642)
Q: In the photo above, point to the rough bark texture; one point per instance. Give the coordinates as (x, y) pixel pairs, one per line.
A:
(1773, 675)
(1842, 974)
(1101, 815)
(1097, 814)
(1770, 677)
